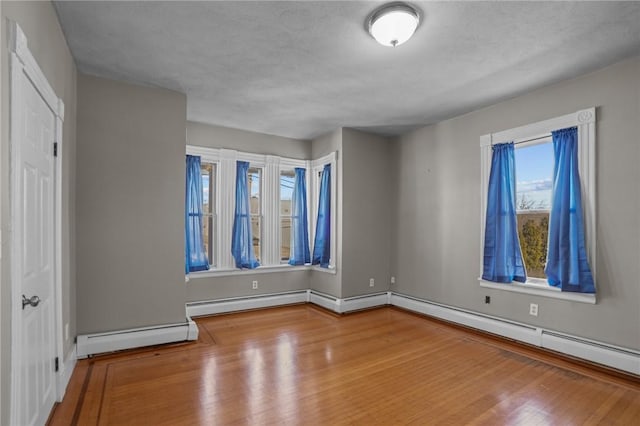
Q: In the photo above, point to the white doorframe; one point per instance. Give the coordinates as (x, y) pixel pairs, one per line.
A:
(24, 65)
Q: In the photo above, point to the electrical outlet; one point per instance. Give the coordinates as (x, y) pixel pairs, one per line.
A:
(393, 280)
(371, 282)
(254, 285)
(487, 299)
(533, 309)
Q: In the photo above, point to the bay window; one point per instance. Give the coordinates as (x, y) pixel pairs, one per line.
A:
(270, 182)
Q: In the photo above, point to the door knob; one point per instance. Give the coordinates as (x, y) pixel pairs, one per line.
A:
(33, 301)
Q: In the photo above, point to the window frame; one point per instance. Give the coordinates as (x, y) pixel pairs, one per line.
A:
(316, 167)
(585, 121)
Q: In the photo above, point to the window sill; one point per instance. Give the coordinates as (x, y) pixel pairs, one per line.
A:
(235, 271)
(330, 270)
(539, 289)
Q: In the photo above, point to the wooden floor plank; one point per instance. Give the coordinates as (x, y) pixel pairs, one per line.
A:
(303, 365)
(66, 410)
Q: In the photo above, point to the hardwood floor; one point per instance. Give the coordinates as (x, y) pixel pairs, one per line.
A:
(303, 365)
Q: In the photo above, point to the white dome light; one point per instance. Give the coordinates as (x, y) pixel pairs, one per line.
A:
(393, 24)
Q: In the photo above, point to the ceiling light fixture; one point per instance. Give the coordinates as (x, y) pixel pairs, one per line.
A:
(394, 23)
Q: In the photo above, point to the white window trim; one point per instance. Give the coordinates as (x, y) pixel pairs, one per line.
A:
(266, 269)
(585, 121)
(316, 167)
(264, 250)
(225, 161)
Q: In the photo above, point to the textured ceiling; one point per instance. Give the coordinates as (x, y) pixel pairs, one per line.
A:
(300, 68)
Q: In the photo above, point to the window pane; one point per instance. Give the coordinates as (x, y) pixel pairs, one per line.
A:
(257, 237)
(208, 186)
(207, 171)
(287, 179)
(534, 181)
(254, 176)
(285, 238)
(207, 237)
(534, 177)
(533, 231)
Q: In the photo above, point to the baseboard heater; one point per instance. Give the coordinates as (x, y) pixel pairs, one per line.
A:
(91, 344)
(601, 353)
(220, 306)
(348, 304)
(324, 300)
(327, 301)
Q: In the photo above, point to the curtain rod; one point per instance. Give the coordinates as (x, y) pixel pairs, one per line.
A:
(533, 139)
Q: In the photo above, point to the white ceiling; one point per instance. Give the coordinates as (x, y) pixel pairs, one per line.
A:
(301, 68)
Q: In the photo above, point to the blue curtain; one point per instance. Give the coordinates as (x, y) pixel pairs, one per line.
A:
(242, 240)
(567, 263)
(299, 252)
(194, 255)
(322, 242)
(502, 256)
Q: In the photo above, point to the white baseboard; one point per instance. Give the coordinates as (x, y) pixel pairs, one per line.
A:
(326, 301)
(220, 306)
(366, 301)
(613, 356)
(65, 371)
(91, 344)
(348, 304)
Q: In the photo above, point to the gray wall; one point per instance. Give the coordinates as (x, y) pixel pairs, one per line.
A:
(366, 212)
(130, 205)
(210, 288)
(436, 247)
(47, 43)
(200, 134)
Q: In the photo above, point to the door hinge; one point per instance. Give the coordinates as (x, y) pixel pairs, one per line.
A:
(57, 363)
(55, 149)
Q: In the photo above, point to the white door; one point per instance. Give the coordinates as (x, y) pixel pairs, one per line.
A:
(34, 370)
